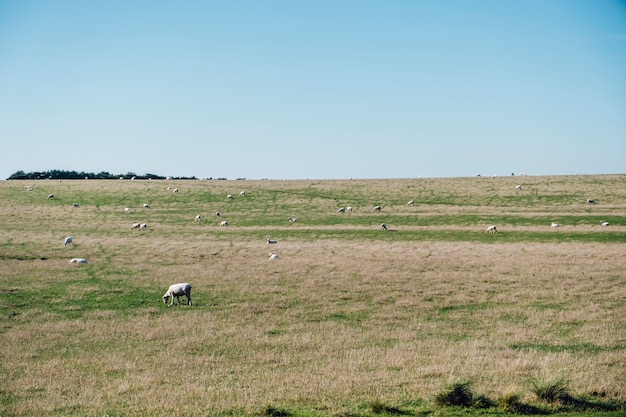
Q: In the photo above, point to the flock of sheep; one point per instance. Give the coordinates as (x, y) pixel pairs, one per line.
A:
(174, 290)
(184, 289)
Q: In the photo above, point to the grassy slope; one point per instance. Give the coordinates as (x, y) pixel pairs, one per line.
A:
(350, 314)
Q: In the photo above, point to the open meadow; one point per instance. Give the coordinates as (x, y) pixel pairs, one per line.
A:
(351, 320)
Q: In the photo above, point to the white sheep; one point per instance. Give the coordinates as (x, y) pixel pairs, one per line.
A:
(178, 290)
(127, 210)
(198, 218)
(383, 226)
(143, 226)
(341, 210)
(146, 205)
(218, 214)
(50, 196)
(135, 226)
(242, 193)
(68, 241)
(491, 229)
(410, 203)
(175, 190)
(78, 261)
(271, 241)
(273, 256)
(518, 187)
(224, 223)
(591, 201)
(293, 220)
(350, 209)
(555, 225)
(29, 188)
(229, 196)
(603, 223)
(377, 208)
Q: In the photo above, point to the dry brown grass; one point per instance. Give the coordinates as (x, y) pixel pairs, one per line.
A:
(334, 321)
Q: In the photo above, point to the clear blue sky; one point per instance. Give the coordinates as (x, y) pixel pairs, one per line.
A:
(313, 89)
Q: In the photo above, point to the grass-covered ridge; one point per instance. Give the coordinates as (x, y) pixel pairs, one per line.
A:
(351, 320)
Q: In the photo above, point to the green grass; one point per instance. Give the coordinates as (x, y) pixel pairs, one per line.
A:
(352, 321)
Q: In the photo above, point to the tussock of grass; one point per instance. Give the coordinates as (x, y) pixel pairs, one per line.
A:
(379, 407)
(272, 411)
(455, 393)
(551, 389)
(510, 401)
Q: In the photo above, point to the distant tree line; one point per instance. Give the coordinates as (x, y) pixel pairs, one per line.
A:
(58, 174)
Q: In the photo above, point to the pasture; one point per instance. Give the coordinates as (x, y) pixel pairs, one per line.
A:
(349, 316)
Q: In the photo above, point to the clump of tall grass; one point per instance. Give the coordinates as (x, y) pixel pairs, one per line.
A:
(510, 401)
(550, 390)
(272, 411)
(379, 407)
(455, 393)
(482, 401)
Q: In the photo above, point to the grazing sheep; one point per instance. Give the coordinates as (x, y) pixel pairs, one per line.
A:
(377, 208)
(518, 187)
(242, 193)
(293, 219)
(198, 218)
(603, 223)
(50, 196)
(178, 290)
(78, 261)
(383, 226)
(350, 209)
(68, 241)
(218, 214)
(29, 188)
(175, 190)
(591, 201)
(273, 256)
(135, 226)
(555, 225)
(341, 210)
(229, 196)
(143, 226)
(271, 241)
(224, 223)
(146, 205)
(410, 203)
(127, 210)
(491, 229)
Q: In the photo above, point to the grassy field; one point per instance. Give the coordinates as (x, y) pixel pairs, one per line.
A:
(350, 321)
